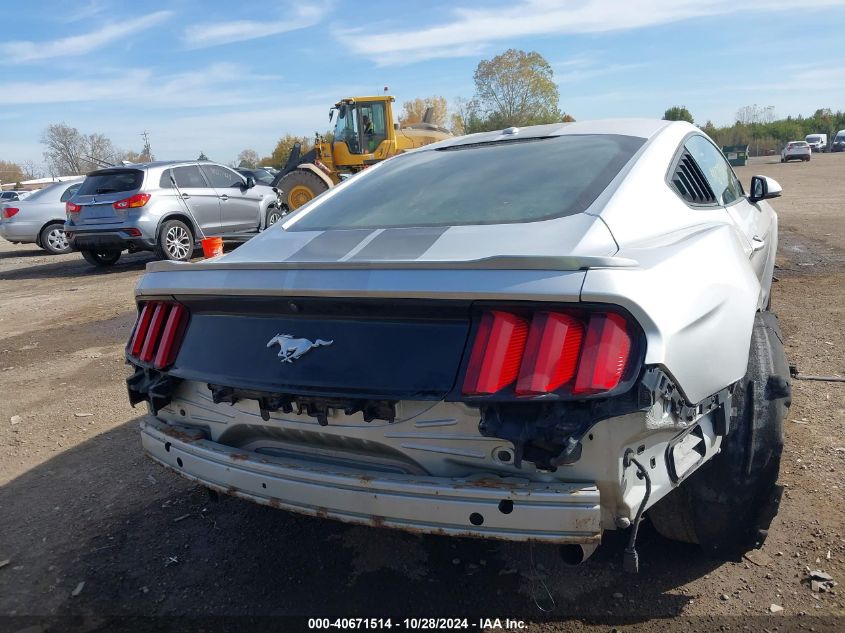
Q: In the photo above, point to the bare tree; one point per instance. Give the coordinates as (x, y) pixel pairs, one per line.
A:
(248, 159)
(70, 152)
(32, 170)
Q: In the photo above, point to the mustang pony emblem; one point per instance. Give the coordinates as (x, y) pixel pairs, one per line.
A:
(292, 348)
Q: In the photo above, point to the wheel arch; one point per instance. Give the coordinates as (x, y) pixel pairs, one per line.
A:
(44, 226)
(179, 215)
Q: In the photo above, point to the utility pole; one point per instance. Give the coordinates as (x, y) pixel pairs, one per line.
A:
(147, 151)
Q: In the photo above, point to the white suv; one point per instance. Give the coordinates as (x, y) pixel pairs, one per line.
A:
(795, 150)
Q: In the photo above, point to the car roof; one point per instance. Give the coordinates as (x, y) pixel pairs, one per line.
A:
(151, 165)
(643, 128)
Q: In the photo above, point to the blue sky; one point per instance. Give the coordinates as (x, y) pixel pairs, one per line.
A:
(220, 77)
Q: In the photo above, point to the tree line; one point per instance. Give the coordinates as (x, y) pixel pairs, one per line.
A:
(759, 128)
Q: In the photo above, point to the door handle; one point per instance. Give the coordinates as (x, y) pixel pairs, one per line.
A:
(185, 196)
(224, 197)
(757, 244)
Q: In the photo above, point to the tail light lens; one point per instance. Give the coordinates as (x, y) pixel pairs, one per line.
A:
(8, 212)
(582, 353)
(70, 207)
(496, 353)
(551, 354)
(604, 354)
(158, 333)
(132, 202)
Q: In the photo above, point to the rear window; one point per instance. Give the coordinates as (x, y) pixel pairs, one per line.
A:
(111, 182)
(491, 183)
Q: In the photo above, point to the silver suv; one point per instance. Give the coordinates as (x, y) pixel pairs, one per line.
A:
(165, 207)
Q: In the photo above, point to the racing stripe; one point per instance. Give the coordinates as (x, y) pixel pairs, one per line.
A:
(330, 246)
(400, 244)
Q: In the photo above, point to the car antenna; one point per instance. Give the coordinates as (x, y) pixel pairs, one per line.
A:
(99, 162)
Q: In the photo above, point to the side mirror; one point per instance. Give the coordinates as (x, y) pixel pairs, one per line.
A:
(250, 182)
(764, 188)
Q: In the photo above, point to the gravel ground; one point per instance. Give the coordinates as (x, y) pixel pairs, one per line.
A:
(80, 504)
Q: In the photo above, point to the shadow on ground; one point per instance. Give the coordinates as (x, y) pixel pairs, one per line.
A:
(71, 266)
(145, 542)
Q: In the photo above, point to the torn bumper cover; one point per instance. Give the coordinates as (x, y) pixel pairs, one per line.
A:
(485, 506)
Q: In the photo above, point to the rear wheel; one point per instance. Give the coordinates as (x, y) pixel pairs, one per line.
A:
(53, 239)
(175, 241)
(101, 258)
(728, 505)
(300, 187)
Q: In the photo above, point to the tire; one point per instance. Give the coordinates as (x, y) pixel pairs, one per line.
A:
(300, 187)
(175, 241)
(101, 259)
(274, 214)
(727, 506)
(53, 239)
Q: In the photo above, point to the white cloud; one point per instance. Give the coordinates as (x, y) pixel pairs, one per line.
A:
(591, 71)
(215, 33)
(28, 51)
(470, 29)
(200, 88)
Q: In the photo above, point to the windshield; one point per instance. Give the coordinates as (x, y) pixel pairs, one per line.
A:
(490, 183)
(346, 126)
(111, 182)
(261, 175)
(814, 139)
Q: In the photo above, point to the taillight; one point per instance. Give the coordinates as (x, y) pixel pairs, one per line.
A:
(551, 353)
(158, 333)
(132, 202)
(604, 355)
(494, 362)
(581, 353)
(70, 207)
(8, 212)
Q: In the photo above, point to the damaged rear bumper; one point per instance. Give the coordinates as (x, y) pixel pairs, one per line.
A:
(485, 506)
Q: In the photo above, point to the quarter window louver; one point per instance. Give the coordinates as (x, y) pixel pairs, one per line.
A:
(158, 333)
(690, 182)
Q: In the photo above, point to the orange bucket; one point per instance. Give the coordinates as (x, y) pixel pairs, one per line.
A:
(212, 246)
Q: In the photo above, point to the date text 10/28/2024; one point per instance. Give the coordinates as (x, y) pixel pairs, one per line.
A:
(416, 624)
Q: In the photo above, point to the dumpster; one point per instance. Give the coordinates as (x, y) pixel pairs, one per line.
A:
(737, 155)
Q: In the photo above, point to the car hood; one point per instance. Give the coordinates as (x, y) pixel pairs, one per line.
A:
(580, 235)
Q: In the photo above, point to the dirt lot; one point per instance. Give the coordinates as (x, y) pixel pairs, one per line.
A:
(80, 504)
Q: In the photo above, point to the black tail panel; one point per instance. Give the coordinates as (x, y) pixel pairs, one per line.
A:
(325, 347)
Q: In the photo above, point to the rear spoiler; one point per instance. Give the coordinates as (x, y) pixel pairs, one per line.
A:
(499, 262)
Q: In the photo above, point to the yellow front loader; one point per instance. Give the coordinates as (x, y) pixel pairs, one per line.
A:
(365, 133)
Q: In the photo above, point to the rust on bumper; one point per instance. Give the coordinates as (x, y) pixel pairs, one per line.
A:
(484, 506)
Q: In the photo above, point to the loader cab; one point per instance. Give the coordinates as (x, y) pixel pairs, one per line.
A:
(360, 126)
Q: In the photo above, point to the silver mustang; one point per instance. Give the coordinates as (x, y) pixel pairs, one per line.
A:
(534, 334)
